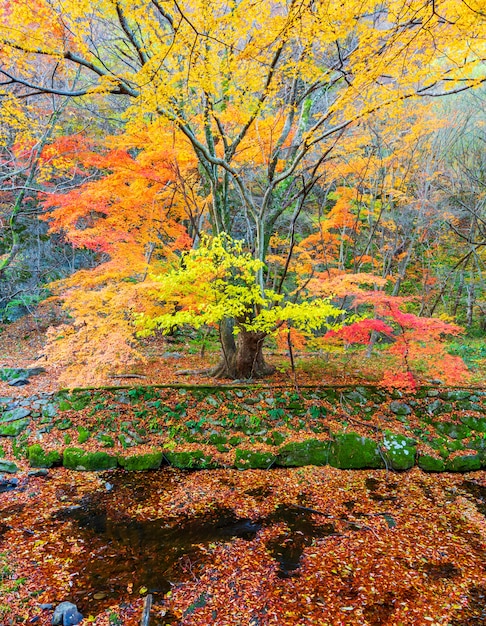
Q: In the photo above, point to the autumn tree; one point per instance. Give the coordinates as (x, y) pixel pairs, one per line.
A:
(262, 92)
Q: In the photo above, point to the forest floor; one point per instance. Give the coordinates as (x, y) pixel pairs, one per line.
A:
(285, 546)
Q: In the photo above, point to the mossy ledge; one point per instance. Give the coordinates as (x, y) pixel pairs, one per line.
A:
(250, 427)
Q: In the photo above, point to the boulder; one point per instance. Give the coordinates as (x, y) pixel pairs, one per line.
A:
(455, 431)
(352, 451)
(400, 451)
(429, 463)
(246, 459)
(400, 408)
(8, 467)
(465, 463)
(298, 454)
(12, 429)
(194, 459)
(39, 458)
(141, 462)
(66, 614)
(18, 382)
(14, 415)
(79, 459)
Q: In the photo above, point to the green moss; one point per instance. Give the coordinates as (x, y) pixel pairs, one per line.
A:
(106, 440)
(217, 438)
(63, 424)
(474, 423)
(351, 451)
(430, 463)
(400, 451)
(455, 431)
(246, 459)
(466, 463)
(79, 459)
(12, 429)
(190, 460)
(83, 434)
(38, 457)
(298, 454)
(141, 462)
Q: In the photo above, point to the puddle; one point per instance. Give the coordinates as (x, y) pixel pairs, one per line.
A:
(377, 487)
(127, 554)
(474, 612)
(287, 549)
(478, 492)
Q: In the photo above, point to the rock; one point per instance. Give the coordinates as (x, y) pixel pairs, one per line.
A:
(35, 371)
(400, 408)
(455, 394)
(39, 458)
(190, 460)
(172, 355)
(298, 454)
(400, 451)
(246, 459)
(474, 423)
(66, 614)
(455, 431)
(79, 459)
(466, 463)
(7, 484)
(8, 466)
(12, 429)
(429, 463)
(14, 414)
(141, 462)
(351, 451)
(18, 382)
(38, 473)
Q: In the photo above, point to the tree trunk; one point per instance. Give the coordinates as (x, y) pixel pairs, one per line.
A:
(243, 357)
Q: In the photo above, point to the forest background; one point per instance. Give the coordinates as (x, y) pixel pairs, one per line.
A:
(308, 174)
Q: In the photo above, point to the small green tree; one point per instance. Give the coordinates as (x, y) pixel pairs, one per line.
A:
(218, 282)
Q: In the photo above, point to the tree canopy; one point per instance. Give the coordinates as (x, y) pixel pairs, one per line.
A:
(235, 119)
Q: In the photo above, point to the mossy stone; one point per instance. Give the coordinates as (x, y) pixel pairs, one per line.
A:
(79, 459)
(400, 408)
(12, 429)
(106, 440)
(474, 423)
(63, 424)
(8, 467)
(466, 463)
(429, 463)
(455, 394)
(298, 454)
(217, 438)
(400, 451)
(38, 457)
(455, 431)
(83, 434)
(14, 414)
(352, 451)
(246, 459)
(190, 460)
(141, 462)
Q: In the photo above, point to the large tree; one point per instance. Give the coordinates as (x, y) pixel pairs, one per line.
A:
(262, 92)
